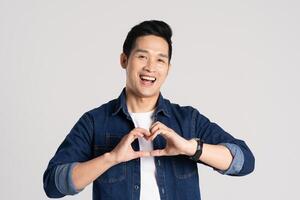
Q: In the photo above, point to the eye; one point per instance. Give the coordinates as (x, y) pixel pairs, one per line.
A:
(161, 60)
(142, 56)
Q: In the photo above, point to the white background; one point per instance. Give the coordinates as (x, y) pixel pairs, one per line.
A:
(235, 61)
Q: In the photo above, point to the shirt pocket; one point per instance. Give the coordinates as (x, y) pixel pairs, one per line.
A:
(184, 167)
(117, 172)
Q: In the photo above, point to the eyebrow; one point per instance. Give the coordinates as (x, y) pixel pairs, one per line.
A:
(145, 51)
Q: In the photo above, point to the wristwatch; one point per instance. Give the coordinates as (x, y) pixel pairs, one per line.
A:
(198, 152)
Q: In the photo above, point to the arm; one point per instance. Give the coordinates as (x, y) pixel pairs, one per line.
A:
(221, 151)
(85, 173)
(217, 156)
(72, 168)
(76, 147)
(71, 178)
(210, 133)
(226, 158)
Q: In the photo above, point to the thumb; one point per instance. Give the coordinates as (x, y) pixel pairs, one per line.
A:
(158, 152)
(139, 154)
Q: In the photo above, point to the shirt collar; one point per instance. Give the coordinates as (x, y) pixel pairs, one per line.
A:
(161, 105)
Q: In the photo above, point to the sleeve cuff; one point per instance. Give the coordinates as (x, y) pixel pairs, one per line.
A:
(63, 179)
(237, 161)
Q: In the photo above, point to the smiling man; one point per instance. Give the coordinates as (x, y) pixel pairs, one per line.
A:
(140, 145)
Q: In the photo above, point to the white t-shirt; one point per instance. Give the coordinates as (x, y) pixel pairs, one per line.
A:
(149, 188)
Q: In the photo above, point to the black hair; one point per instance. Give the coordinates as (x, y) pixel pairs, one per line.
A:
(151, 27)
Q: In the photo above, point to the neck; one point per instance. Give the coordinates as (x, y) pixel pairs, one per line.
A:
(137, 104)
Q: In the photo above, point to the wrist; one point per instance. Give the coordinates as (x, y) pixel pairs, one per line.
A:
(110, 158)
(191, 147)
(199, 148)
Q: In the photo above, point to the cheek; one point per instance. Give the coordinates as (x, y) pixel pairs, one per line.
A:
(136, 65)
(163, 73)
(131, 74)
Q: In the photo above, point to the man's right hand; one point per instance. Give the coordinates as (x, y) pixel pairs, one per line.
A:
(86, 172)
(123, 151)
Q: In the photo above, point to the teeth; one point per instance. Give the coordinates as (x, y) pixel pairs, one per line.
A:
(148, 78)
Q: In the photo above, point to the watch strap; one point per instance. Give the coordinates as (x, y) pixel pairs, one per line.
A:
(198, 152)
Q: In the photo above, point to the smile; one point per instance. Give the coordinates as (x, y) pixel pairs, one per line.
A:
(147, 78)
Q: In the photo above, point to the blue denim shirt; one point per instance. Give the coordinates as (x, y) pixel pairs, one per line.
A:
(100, 130)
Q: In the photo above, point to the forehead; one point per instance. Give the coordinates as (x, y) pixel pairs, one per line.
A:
(152, 43)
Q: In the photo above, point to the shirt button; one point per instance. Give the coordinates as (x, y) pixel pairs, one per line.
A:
(162, 190)
(136, 187)
(158, 161)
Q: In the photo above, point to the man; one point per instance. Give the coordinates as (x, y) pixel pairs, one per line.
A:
(140, 145)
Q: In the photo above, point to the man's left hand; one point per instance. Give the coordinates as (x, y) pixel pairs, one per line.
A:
(175, 145)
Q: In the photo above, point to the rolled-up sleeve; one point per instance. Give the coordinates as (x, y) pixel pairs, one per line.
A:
(211, 133)
(75, 148)
(237, 161)
(63, 179)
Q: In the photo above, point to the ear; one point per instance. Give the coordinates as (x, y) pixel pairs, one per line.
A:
(123, 60)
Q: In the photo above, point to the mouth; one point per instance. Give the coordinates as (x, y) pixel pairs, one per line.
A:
(147, 80)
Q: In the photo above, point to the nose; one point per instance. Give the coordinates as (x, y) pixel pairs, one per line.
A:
(150, 65)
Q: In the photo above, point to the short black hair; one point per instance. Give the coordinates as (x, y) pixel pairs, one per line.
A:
(150, 27)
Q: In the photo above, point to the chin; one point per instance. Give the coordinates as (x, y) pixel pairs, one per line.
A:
(148, 93)
(144, 92)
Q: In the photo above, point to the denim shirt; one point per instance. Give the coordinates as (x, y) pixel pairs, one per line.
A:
(98, 131)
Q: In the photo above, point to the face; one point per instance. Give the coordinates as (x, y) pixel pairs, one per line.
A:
(147, 66)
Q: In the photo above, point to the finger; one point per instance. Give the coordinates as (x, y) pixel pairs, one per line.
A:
(158, 125)
(139, 154)
(137, 134)
(164, 132)
(143, 131)
(154, 128)
(133, 135)
(155, 124)
(155, 134)
(158, 152)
